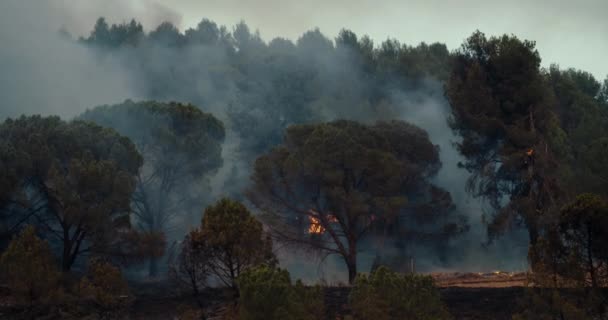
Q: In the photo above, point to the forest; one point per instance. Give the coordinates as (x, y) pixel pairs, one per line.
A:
(252, 179)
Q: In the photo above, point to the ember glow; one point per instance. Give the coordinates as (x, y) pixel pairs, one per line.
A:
(316, 226)
(530, 152)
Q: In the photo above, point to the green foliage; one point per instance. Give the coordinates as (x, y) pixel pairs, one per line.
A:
(235, 239)
(104, 288)
(502, 109)
(352, 179)
(386, 295)
(583, 227)
(569, 264)
(584, 122)
(267, 293)
(75, 180)
(192, 267)
(29, 269)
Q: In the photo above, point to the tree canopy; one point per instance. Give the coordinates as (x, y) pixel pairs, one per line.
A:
(503, 110)
(180, 145)
(330, 185)
(74, 180)
(235, 240)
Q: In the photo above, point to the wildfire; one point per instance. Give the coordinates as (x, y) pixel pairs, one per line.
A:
(316, 226)
(530, 152)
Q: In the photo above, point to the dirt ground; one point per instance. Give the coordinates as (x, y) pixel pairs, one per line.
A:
(496, 279)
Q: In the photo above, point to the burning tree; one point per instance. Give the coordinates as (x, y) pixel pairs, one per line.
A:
(330, 185)
(502, 109)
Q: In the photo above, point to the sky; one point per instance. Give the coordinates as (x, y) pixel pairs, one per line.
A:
(569, 33)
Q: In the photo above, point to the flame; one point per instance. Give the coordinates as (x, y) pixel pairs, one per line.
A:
(530, 152)
(315, 226)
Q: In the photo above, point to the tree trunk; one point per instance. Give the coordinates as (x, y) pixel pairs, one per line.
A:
(66, 258)
(533, 233)
(153, 268)
(351, 260)
(351, 264)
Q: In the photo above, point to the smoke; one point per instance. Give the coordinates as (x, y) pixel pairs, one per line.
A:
(430, 110)
(45, 72)
(257, 95)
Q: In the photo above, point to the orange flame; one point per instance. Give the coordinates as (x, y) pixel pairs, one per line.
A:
(530, 152)
(315, 226)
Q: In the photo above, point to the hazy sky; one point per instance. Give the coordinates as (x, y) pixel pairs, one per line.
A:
(571, 33)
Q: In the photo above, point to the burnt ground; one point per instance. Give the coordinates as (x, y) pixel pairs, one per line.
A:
(158, 300)
(462, 302)
(482, 303)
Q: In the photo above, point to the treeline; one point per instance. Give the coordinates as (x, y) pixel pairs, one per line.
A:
(261, 88)
(533, 140)
(329, 164)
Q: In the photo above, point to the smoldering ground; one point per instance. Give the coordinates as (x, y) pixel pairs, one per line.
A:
(257, 96)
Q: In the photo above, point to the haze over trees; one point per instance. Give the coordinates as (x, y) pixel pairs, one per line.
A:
(317, 137)
(180, 146)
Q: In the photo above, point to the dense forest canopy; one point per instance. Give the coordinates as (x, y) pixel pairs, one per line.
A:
(527, 138)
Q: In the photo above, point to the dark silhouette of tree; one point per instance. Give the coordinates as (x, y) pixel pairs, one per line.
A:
(116, 35)
(166, 34)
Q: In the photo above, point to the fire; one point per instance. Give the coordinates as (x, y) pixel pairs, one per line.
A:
(315, 226)
(530, 152)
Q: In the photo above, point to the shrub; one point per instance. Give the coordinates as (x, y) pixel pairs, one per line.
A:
(105, 288)
(192, 267)
(29, 269)
(266, 293)
(385, 295)
(236, 240)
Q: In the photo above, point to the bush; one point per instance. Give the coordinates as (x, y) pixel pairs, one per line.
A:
(235, 239)
(266, 293)
(186, 312)
(29, 269)
(105, 288)
(192, 267)
(385, 295)
(569, 264)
